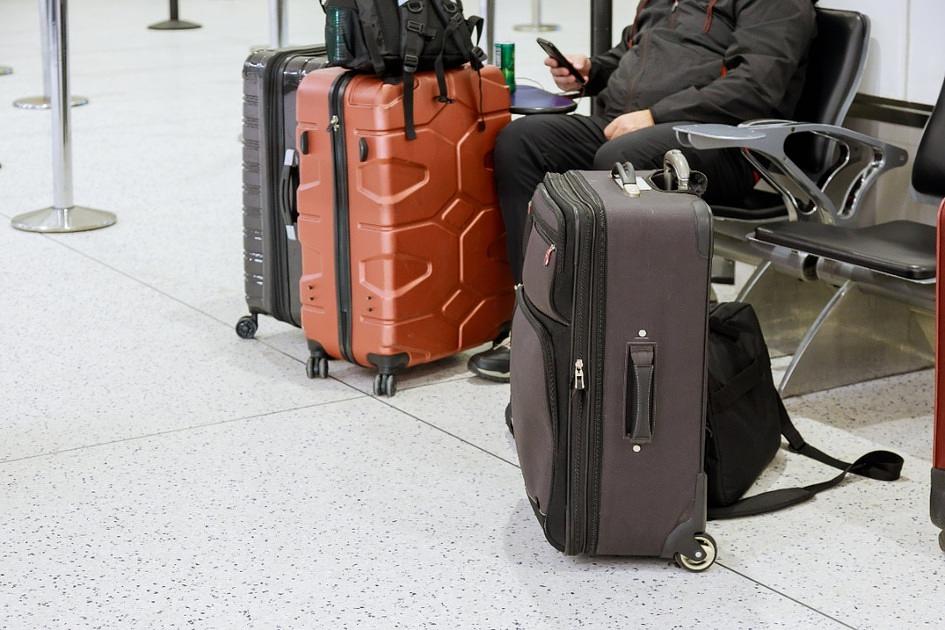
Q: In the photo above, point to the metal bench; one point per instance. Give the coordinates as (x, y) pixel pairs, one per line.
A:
(880, 320)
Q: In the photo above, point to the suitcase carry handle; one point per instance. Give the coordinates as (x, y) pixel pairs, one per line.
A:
(625, 176)
(290, 166)
(638, 400)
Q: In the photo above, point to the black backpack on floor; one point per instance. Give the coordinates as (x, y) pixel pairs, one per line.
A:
(395, 39)
(746, 419)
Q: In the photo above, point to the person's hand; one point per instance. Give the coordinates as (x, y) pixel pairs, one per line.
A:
(563, 77)
(628, 123)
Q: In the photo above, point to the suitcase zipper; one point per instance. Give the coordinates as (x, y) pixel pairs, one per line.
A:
(579, 374)
(562, 194)
(587, 339)
(595, 349)
(336, 128)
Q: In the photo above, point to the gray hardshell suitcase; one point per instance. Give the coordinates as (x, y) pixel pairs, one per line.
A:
(609, 363)
(272, 258)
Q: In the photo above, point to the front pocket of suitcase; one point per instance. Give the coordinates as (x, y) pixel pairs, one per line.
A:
(534, 402)
(542, 271)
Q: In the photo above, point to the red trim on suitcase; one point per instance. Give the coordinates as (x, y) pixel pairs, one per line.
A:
(939, 435)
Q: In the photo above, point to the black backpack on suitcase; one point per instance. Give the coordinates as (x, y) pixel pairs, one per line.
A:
(396, 42)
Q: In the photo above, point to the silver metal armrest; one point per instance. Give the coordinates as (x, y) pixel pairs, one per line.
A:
(860, 161)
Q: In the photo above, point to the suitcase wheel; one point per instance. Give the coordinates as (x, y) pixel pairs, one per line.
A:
(316, 367)
(941, 540)
(385, 385)
(698, 565)
(247, 326)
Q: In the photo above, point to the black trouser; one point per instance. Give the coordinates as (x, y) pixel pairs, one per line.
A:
(535, 145)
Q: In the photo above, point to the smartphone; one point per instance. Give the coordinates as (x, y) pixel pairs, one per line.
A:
(552, 51)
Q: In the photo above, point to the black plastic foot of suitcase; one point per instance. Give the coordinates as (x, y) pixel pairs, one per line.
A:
(173, 25)
(937, 503)
(247, 326)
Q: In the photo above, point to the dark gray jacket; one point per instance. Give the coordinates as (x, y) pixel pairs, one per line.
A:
(708, 60)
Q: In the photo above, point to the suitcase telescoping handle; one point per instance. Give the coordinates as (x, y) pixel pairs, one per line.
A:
(290, 166)
(674, 162)
(638, 399)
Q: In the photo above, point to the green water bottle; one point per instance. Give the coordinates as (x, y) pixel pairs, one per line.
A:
(336, 36)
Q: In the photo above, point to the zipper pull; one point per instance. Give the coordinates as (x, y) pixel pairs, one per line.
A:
(579, 374)
(548, 254)
(334, 123)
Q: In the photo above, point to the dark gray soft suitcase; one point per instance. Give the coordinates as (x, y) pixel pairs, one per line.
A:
(272, 258)
(609, 363)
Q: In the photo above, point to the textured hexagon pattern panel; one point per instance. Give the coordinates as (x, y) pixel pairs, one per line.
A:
(404, 247)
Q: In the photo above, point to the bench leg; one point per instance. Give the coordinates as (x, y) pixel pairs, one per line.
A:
(860, 337)
(786, 306)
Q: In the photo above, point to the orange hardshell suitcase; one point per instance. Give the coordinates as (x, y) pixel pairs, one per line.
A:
(403, 245)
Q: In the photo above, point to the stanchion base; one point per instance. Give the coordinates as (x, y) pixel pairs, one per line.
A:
(536, 28)
(74, 219)
(173, 25)
(41, 102)
(5, 70)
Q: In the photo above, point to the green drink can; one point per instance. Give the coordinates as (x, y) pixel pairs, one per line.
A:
(505, 58)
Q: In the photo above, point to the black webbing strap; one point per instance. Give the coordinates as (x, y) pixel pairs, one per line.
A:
(413, 46)
(753, 375)
(879, 465)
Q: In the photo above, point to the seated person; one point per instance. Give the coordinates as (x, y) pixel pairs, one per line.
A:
(682, 61)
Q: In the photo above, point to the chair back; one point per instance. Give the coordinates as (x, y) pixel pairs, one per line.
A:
(928, 173)
(835, 67)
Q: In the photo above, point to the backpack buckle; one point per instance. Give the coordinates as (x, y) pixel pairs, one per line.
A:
(450, 7)
(411, 63)
(414, 6)
(415, 27)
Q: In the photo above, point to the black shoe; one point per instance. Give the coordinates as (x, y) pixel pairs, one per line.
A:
(493, 365)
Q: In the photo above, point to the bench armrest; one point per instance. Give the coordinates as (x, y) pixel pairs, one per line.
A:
(860, 160)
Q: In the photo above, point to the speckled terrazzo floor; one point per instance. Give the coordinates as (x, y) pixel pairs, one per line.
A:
(157, 472)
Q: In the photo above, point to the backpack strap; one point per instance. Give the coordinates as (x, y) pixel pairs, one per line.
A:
(879, 465)
(460, 30)
(416, 33)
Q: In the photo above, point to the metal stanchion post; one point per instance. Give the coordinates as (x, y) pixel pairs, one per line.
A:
(63, 215)
(487, 9)
(278, 24)
(174, 23)
(536, 25)
(5, 70)
(42, 102)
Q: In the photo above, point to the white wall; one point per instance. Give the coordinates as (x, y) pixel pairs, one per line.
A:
(907, 54)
